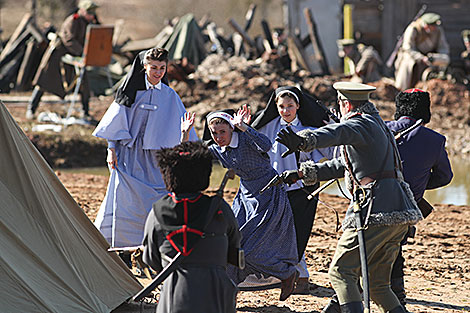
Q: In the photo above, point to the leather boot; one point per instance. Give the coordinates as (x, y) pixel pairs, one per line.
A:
(352, 307)
(398, 309)
(287, 286)
(332, 306)
(398, 288)
(34, 102)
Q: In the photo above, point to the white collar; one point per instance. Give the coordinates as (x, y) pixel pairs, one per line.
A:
(295, 122)
(149, 85)
(233, 142)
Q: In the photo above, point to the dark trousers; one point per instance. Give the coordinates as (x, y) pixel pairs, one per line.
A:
(84, 92)
(304, 211)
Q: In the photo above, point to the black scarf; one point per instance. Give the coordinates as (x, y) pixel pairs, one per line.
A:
(310, 113)
(135, 80)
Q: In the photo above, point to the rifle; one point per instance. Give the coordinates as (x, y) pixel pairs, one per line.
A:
(276, 180)
(176, 261)
(394, 53)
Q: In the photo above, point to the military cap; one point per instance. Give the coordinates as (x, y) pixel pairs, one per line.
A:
(345, 42)
(88, 5)
(353, 91)
(431, 18)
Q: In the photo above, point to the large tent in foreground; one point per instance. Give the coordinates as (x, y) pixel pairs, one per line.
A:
(52, 258)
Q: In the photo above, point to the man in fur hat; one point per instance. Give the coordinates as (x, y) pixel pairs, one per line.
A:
(182, 222)
(425, 161)
(371, 165)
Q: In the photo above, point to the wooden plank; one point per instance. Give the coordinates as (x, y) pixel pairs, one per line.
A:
(250, 14)
(244, 35)
(267, 33)
(211, 31)
(17, 33)
(316, 43)
(297, 54)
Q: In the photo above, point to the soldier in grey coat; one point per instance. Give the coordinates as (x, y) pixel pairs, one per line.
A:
(370, 162)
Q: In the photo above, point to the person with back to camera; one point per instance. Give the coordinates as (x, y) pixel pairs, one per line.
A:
(425, 162)
(371, 166)
(185, 221)
(143, 118)
(265, 220)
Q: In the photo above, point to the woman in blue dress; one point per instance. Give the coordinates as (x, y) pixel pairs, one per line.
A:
(265, 220)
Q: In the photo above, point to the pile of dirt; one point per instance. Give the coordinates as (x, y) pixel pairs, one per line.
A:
(222, 83)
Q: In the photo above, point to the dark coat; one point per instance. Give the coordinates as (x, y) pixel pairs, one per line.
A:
(425, 161)
(369, 146)
(200, 284)
(71, 40)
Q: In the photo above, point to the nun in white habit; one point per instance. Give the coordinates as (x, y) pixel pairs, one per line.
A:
(144, 117)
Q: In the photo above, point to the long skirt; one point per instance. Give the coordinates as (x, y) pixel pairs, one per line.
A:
(133, 187)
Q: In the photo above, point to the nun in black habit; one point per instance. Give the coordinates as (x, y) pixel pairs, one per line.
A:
(289, 106)
(176, 223)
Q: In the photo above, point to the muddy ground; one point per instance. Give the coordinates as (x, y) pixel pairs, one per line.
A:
(438, 261)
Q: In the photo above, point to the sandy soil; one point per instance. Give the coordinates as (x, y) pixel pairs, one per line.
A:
(437, 260)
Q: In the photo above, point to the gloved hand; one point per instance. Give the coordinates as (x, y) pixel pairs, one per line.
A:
(289, 139)
(290, 177)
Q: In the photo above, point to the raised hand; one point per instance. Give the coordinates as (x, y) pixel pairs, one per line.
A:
(187, 122)
(289, 139)
(242, 115)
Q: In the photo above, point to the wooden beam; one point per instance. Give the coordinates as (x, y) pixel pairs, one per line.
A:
(244, 35)
(316, 42)
(17, 33)
(249, 16)
(297, 53)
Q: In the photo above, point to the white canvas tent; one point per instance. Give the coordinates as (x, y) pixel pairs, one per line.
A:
(52, 258)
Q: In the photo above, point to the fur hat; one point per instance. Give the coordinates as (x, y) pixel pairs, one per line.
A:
(185, 168)
(415, 103)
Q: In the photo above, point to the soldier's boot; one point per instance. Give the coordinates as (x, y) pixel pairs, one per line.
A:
(398, 288)
(352, 307)
(398, 309)
(34, 102)
(332, 306)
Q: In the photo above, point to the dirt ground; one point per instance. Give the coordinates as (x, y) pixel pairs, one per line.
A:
(437, 273)
(437, 260)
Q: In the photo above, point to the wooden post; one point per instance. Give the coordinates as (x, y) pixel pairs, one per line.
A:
(267, 33)
(297, 53)
(213, 37)
(239, 30)
(348, 33)
(317, 46)
(249, 16)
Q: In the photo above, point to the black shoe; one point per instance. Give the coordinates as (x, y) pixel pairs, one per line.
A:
(398, 288)
(287, 286)
(352, 307)
(332, 306)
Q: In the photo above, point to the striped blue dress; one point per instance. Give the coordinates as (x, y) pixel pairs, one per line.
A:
(265, 220)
